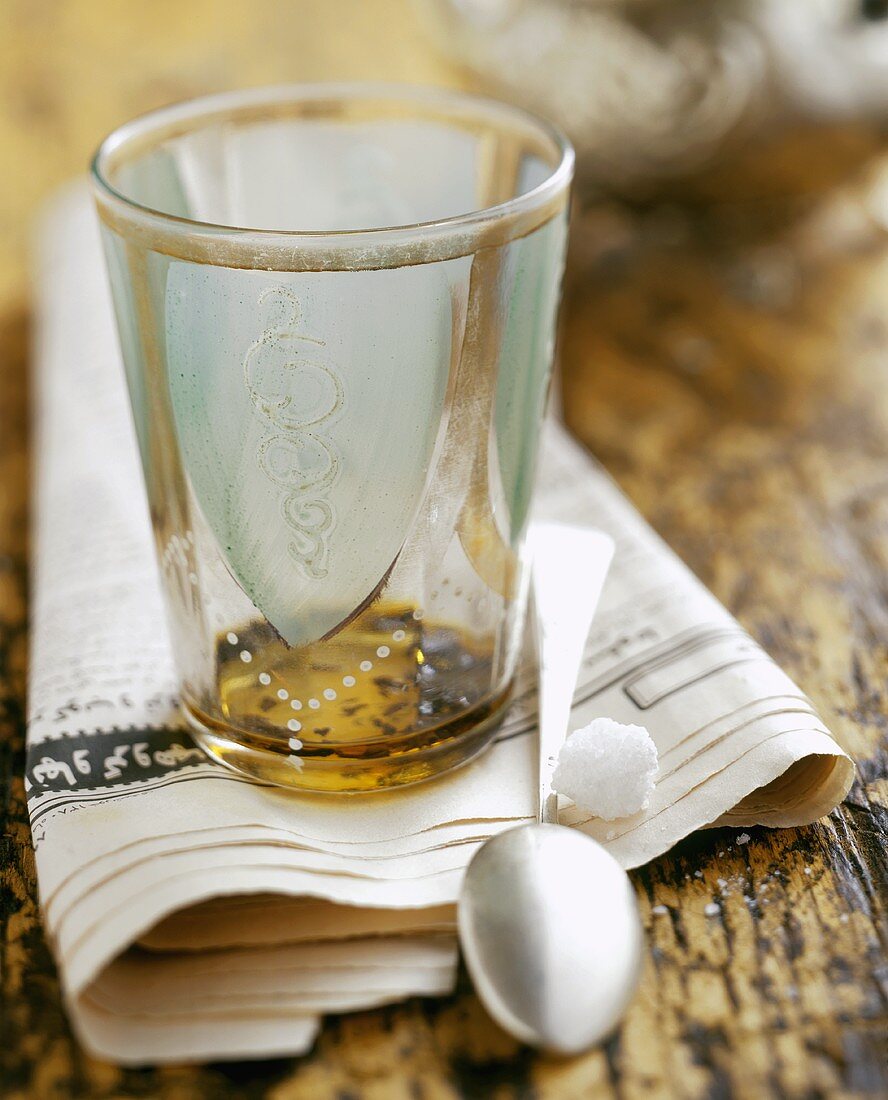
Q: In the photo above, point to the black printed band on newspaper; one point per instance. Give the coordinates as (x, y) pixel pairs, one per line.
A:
(108, 759)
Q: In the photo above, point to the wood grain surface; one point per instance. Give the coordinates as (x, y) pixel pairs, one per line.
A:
(725, 353)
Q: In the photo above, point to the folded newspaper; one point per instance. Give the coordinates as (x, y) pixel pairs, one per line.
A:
(197, 915)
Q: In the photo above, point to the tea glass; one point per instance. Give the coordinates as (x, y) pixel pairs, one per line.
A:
(336, 308)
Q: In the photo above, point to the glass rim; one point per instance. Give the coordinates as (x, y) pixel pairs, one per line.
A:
(312, 250)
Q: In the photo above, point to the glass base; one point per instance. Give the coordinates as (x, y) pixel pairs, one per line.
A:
(353, 767)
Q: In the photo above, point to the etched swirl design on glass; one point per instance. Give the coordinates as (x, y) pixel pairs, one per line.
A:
(297, 394)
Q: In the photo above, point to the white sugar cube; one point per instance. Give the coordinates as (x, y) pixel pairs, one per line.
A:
(607, 769)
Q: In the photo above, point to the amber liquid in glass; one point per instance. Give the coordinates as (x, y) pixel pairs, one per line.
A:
(391, 698)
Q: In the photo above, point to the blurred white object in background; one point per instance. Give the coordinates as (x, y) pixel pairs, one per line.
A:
(830, 56)
(655, 88)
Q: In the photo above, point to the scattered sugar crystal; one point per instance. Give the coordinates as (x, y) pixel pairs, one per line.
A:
(712, 909)
(659, 910)
(607, 769)
(807, 870)
(698, 874)
(722, 883)
(743, 838)
(844, 918)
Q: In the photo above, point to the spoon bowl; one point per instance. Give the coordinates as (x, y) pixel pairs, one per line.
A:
(551, 936)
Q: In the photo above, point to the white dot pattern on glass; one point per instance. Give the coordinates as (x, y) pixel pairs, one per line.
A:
(246, 656)
(314, 703)
(232, 637)
(418, 614)
(296, 704)
(283, 693)
(349, 681)
(329, 693)
(399, 636)
(264, 678)
(174, 553)
(365, 666)
(383, 651)
(295, 725)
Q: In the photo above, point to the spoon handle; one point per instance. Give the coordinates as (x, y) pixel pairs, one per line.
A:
(570, 565)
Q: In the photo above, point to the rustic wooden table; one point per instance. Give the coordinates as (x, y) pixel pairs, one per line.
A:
(726, 355)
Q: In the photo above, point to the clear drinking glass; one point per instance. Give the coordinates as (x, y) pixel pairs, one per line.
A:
(336, 307)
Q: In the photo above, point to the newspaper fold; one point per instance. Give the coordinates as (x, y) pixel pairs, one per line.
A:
(196, 915)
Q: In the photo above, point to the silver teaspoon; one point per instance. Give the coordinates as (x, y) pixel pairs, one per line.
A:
(547, 918)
